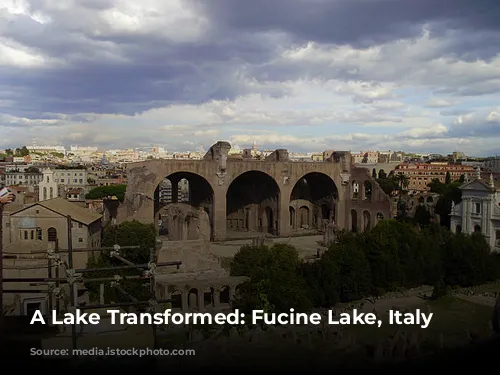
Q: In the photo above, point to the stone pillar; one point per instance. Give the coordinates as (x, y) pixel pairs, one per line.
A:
(284, 228)
(343, 214)
(484, 215)
(175, 191)
(201, 300)
(216, 297)
(219, 221)
(465, 214)
(185, 302)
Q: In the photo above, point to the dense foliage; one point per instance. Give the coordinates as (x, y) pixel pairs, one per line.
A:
(129, 233)
(107, 191)
(391, 256)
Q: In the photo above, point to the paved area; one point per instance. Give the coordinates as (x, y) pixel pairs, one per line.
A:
(306, 245)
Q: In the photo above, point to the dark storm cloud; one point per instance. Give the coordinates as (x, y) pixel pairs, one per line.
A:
(148, 71)
(354, 22)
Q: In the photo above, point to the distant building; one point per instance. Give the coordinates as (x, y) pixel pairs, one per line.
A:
(479, 210)
(34, 229)
(421, 174)
(48, 187)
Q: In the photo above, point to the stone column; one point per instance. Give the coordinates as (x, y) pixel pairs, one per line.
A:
(175, 190)
(343, 214)
(484, 217)
(284, 228)
(185, 302)
(216, 297)
(465, 214)
(219, 221)
(201, 300)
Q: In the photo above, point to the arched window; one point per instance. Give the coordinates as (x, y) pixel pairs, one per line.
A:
(52, 234)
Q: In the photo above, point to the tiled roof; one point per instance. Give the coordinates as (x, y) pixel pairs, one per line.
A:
(65, 208)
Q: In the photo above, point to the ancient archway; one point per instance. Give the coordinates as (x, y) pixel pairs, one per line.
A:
(304, 217)
(354, 220)
(366, 220)
(291, 212)
(184, 206)
(320, 191)
(252, 202)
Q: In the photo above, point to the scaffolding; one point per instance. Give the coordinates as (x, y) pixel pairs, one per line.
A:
(74, 276)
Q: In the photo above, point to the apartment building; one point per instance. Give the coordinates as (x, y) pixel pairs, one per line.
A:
(421, 174)
(24, 176)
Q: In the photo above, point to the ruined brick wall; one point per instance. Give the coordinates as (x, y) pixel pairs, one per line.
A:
(194, 255)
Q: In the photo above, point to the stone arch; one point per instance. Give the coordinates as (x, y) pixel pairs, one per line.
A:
(191, 199)
(52, 234)
(477, 228)
(321, 192)
(209, 297)
(292, 220)
(252, 203)
(51, 192)
(458, 229)
(367, 190)
(421, 200)
(44, 193)
(267, 221)
(176, 299)
(193, 300)
(380, 216)
(366, 220)
(304, 215)
(497, 237)
(354, 220)
(225, 294)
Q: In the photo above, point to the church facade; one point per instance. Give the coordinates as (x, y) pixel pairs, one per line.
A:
(479, 211)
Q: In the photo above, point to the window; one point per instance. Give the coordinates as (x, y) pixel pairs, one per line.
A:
(37, 211)
(25, 234)
(80, 225)
(32, 235)
(31, 305)
(477, 209)
(52, 234)
(80, 239)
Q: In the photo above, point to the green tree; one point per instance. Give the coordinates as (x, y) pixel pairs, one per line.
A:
(275, 279)
(382, 174)
(422, 216)
(128, 233)
(447, 179)
(107, 191)
(402, 181)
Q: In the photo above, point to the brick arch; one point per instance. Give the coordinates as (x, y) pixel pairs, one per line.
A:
(324, 170)
(149, 174)
(232, 179)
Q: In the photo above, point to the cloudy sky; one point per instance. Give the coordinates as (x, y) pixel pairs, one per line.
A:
(307, 75)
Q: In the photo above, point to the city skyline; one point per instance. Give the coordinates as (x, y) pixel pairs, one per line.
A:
(417, 76)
